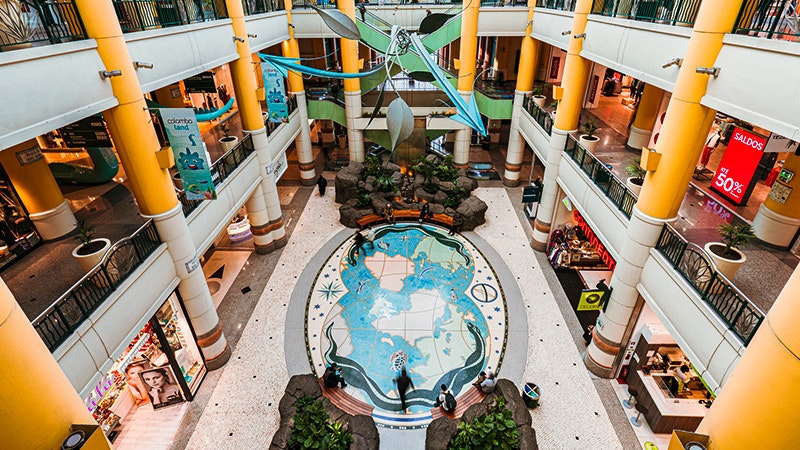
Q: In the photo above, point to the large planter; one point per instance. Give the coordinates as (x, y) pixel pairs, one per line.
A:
(539, 100)
(177, 181)
(727, 266)
(228, 142)
(342, 140)
(589, 142)
(89, 260)
(634, 185)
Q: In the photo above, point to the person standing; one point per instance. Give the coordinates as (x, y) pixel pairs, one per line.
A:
(403, 383)
(388, 213)
(322, 183)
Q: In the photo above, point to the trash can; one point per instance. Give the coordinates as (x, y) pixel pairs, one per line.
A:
(531, 395)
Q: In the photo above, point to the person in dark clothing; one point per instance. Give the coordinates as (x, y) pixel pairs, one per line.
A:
(363, 10)
(333, 376)
(359, 241)
(322, 183)
(425, 212)
(457, 222)
(403, 383)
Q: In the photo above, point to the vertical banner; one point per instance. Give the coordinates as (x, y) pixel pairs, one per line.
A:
(734, 178)
(190, 156)
(276, 94)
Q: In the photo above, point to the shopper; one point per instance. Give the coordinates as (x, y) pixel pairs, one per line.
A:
(388, 213)
(370, 237)
(488, 384)
(333, 376)
(358, 239)
(322, 183)
(456, 226)
(425, 212)
(446, 400)
(403, 383)
(363, 10)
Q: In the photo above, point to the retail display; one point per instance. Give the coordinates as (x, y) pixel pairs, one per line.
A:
(17, 234)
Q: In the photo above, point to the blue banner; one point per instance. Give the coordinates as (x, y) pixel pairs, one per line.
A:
(190, 155)
(276, 94)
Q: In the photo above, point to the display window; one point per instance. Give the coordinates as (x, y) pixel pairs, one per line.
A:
(575, 245)
(17, 233)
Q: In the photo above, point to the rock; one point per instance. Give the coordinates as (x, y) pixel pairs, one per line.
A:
(478, 409)
(527, 438)
(514, 402)
(349, 216)
(390, 167)
(440, 197)
(439, 433)
(364, 432)
(437, 209)
(422, 194)
(378, 202)
(446, 186)
(473, 211)
(462, 173)
(280, 440)
(466, 183)
(303, 386)
(346, 182)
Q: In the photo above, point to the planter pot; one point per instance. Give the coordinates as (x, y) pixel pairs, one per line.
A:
(634, 186)
(726, 266)
(264, 116)
(228, 142)
(177, 181)
(342, 139)
(589, 142)
(88, 261)
(539, 100)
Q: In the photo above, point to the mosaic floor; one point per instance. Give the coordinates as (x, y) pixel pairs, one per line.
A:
(418, 298)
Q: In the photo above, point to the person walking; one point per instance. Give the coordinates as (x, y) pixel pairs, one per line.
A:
(322, 183)
(359, 242)
(403, 383)
(370, 237)
(363, 10)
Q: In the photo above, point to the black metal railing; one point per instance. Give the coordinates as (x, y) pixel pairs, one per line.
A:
(733, 307)
(262, 6)
(561, 5)
(777, 19)
(539, 115)
(138, 15)
(671, 12)
(58, 321)
(602, 176)
(221, 170)
(24, 23)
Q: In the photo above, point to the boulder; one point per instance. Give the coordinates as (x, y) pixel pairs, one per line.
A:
(348, 216)
(478, 409)
(440, 197)
(422, 194)
(437, 209)
(346, 182)
(473, 211)
(527, 438)
(467, 183)
(364, 432)
(446, 186)
(390, 167)
(514, 402)
(439, 433)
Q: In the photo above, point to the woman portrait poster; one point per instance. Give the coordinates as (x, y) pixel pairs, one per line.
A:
(161, 387)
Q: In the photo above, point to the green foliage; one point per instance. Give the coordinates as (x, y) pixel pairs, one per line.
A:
(635, 171)
(495, 430)
(385, 184)
(427, 169)
(590, 127)
(372, 166)
(225, 129)
(735, 236)
(446, 171)
(455, 197)
(85, 232)
(312, 428)
(362, 200)
(539, 90)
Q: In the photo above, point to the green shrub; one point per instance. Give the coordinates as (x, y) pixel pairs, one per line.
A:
(312, 428)
(385, 184)
(496, 430)
(372, 166)
(455, 197)
(446, 172)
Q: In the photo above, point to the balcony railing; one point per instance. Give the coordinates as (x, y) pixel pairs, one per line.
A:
(671, 12)
(614, 188)
(221, 170)
(56, 323)
(139, 15)
(770, 19)
(540, 116)
(262, 6)
(733, 307)
(561, 5)
(23, 24)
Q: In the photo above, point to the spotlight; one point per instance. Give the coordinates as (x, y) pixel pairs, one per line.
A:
(566, 33)
(579, 36)
(110, 73)
(142, 65)
(237, 38)
(673, 62)
(709, 71)
(252, 35)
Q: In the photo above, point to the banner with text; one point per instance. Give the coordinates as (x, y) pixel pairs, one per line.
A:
(735, 178)
(276, 94)
(190, 156)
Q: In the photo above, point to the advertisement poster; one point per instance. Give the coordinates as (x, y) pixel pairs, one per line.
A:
(734, 177)
(276, 94)
(190, 156)
(161, 386)
(591, 300)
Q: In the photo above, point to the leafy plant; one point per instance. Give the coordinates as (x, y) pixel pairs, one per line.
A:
(312, 428)
(590, 128)
(427, 169)
(85, 232)
(554, 104)
(225, 129)
(385, 184)
(734, 236)
(455, 197)
(495, 429)
(635, 171)
(446, 171)
(372, 166)
(538, 91)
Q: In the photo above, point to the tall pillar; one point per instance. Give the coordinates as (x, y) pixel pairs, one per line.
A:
(137, 144)
(39, 192)
(352, 87)
(776, 223)
(680, 143)
(576, 75)
(646, 115)
(526, 71)
(768, 417)
(265, 224)
(468, 50)
(38, 404)
(305, 155)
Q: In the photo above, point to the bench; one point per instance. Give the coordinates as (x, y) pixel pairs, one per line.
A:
(345, 401)
(471, 397)
(404, 214)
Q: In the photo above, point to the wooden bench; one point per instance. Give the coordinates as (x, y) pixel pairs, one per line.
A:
(405, 214)
(345, 401)
(471, 397)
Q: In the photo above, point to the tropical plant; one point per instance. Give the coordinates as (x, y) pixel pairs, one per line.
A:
(14, 25)
(734, 236)
(225, 129)
(427, 168)
(495, 429)
(312, 428)
(590, 128)
(554, 104)
(446, 171)
(538, 91)
(372, 166)
(85, 232)
(455, 197)
(635, 171)
(385, 184)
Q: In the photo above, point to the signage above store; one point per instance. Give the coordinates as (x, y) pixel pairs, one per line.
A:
(200, 83)
(29, 156)
(780, 144)
(734, 178)
(89, 132)
(591, 300)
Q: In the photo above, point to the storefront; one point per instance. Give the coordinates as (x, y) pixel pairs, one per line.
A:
(161, 367)
(18, 236)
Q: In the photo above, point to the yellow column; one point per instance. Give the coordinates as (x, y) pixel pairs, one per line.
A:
(467, 54)
(39, 192)
(37, 402)
(757, 406)
(576, 74)
(775, 222)
(526, 71)
(137, 144)
(352, 87)
(646, 115)
(680, 141)
(305, 154)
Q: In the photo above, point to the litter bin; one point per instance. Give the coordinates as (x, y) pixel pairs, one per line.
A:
(531, 395)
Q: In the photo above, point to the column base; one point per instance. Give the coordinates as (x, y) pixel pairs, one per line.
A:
(263, 249)
(775, 229)
(507, 182)
(308, 181)
(54, 223)
(638, 138)
(595, 368)
(220, 360)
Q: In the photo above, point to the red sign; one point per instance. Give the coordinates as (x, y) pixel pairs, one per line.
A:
(738, 165)
(580, 222)
(554, 67)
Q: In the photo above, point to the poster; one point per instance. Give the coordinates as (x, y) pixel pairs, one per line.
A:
(276, 94)
(591, 300)
(161, 386)
(190, 156)
(734, 177)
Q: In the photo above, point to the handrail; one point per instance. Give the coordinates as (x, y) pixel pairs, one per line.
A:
(777, 19)
(670, 12)
(560, 5)
(614, 188)
(73, 307)
(45, 21)
(140, 15)
(539, 115)
(262, 6)
(739, 313)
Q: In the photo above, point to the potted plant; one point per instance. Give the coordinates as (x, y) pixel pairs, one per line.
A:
(538, 95)
(15, 28)
(636, 176)
(227, 141)
(726, 256)
(589, 141)
(91, 249)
